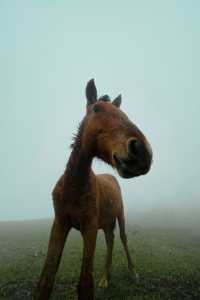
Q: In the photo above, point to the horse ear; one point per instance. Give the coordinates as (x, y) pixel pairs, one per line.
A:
(117, 101)
(91, 92)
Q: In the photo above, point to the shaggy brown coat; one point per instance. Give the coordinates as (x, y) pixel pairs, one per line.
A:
(89, 202)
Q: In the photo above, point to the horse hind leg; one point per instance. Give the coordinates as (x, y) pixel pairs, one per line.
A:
(109, 237)
(123, 237)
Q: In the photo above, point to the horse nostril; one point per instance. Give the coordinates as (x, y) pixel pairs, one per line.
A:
(134, 147)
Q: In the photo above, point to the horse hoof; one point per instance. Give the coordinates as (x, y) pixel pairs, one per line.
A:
(136, 278)
(103, 283)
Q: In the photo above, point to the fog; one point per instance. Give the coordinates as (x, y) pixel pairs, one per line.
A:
(146, 50)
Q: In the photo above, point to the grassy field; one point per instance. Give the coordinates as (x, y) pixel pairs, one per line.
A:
(168, 262)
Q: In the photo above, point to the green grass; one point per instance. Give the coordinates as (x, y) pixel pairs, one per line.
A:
(168, 261)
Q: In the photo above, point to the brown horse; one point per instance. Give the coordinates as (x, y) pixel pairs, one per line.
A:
(89, 202)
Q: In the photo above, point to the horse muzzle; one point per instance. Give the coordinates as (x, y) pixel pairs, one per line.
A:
(138, 159)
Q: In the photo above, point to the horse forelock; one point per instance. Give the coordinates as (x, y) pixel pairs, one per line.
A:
(104, 98)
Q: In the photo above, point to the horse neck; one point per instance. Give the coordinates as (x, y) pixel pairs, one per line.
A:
(78, 171)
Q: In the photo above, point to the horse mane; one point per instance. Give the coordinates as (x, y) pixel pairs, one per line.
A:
(76, 137)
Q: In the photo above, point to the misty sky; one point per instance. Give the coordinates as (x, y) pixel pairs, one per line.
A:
(146, 50)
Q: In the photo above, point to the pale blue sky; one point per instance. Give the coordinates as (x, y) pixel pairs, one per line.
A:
(146, 50)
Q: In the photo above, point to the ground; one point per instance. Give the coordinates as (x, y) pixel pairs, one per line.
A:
(168, 263)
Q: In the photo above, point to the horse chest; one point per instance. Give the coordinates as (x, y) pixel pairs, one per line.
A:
(79, 215)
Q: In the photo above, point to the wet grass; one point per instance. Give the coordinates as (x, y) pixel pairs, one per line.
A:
(168, 262)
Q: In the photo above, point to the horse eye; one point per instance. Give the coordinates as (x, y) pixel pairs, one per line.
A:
(97, 108)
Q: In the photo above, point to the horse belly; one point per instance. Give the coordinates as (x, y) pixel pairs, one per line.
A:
(110, 201)
(107, 213)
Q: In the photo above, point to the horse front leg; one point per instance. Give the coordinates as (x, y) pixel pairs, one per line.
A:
(57, 239)
(86, 284)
